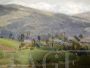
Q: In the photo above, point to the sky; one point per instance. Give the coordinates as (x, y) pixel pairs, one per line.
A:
(69, 7)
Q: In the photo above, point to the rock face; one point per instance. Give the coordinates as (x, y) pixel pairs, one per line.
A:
(22, 19)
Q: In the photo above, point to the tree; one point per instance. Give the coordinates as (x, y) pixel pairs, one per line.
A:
(39, 38)
(52, 41)
(77, 38)
(80, 36)
(11, 36)
(33, 42)
(21, 37)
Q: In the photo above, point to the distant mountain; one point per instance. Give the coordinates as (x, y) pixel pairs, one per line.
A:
(84, 16)
(23, 19)
(5, 10)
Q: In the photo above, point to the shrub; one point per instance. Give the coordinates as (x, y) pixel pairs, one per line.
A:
(53, 57)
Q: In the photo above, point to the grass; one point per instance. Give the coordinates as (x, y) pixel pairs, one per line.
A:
(37, 55)
(23, 56)
(19, 56)
(26, 56)
(9, 43)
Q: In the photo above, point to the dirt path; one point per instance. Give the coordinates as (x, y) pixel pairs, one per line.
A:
(7, 49)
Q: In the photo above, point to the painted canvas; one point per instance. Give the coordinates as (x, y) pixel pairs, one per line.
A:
(44, 34)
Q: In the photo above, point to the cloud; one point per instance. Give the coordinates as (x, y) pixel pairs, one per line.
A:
(44, 6)
(73, 8)
(66, 8)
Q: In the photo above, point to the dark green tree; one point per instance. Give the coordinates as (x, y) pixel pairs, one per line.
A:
(77, 38)
(21, 37)
(11, 36)
(80, 36)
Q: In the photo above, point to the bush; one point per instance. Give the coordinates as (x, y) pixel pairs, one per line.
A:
(52, 57)
(84, 60)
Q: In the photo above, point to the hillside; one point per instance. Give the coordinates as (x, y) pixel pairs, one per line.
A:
(23, 19)
(84, 16)
(8, 45)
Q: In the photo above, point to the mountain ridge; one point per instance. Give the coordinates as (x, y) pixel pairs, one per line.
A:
(84, 16)
(40, 22)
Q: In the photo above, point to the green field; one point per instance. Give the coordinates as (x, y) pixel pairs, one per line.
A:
(9, 43)
(36, 55)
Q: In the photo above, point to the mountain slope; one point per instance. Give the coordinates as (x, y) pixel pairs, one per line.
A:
(84, 16)
(10, 12)
(40, 22)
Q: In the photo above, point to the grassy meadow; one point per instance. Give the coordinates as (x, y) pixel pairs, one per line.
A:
(10, 53)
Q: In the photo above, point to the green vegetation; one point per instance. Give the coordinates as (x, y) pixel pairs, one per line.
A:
(4, 57)
(9, 43)
(1, 54)
(26, 56)
(39, 49)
